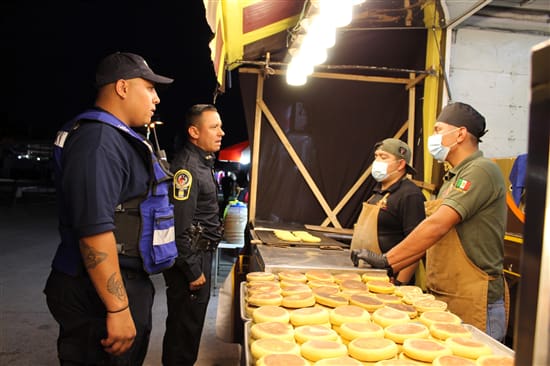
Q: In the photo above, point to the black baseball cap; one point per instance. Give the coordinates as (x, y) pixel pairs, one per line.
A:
(464, 115)
(125, 65)
(399, 149)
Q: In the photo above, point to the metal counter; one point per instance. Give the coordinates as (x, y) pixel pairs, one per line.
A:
(275, 259)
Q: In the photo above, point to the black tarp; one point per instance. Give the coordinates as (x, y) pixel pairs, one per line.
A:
(333, 126)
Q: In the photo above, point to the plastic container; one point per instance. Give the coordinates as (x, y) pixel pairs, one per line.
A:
(236, 215)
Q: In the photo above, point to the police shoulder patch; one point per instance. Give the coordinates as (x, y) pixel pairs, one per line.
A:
(182, 184)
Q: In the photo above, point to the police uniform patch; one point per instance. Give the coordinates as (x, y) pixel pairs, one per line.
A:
(182, 184)
(462, 185)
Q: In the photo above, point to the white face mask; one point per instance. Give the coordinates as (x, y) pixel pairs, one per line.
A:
(436, 147)
(379, 170)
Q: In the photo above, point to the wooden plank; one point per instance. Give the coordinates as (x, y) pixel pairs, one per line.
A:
(296, 159)
(361, 179)
(256, 150)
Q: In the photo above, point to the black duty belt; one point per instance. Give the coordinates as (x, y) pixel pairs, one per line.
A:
(207, 244)
(131, 263)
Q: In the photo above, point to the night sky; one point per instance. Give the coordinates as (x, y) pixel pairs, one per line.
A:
(52, 50)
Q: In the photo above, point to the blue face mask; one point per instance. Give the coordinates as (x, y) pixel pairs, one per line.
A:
(436, 147)
(379, 171)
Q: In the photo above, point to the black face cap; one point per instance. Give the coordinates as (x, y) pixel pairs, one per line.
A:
(125, 65)
(463, 115)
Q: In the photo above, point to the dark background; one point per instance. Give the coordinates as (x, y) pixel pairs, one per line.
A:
(50, 51)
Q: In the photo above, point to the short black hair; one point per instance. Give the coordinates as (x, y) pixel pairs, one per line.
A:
(195, 112)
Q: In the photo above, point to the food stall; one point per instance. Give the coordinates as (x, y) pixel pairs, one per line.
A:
(312, 145)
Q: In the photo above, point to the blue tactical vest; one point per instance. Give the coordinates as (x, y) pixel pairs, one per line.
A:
(156, 243)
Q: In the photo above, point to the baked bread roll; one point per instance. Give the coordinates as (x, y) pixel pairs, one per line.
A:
(263, 288)
(262, 282)
(411, 298)
(316, 350)
(467, 347)
(381, 287)
(387, 316)
(446, 330)
(495, 360)
(260, 276)
(388, 298)
(353, 286)
(367, 302)
(319, 275)
(286, 283)
(372, 349)
(306, 236)
(304, 333)
(375, 275)
(300, 300)
(407, 289)
(425, 350)
(286, 359)
(338, 361)
(263, 347)
(325, 290)
(331, 300)
(403, 356)
(264, 298)
(430, 317)
(399, 332)
(429, 305)
(272, 330)
(351, 331)
(316, 283)
(452, 360)
(348, 313)
(285, 235)
(397, 363)
(409, 309)
(270, 313)
(296, 289)
(293, 276)
(309, 316)
(339, 277)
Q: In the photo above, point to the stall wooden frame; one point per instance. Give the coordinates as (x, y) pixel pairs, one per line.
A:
(261, 108)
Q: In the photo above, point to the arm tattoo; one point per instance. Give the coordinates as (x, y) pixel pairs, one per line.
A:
(91, 256)
(116, 287)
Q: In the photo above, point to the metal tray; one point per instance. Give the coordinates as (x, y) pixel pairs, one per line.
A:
(248, 359)
(244, 317)
(497, 347)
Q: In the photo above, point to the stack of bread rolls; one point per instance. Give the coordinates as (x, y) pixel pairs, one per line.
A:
(321, 318)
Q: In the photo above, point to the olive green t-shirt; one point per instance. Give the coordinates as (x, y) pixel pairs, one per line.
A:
(475, 189)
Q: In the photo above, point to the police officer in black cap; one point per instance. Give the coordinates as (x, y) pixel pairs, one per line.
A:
(198, 232)
(98, 290)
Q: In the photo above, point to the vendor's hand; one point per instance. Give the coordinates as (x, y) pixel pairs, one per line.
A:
(198, 283)
(374, 259)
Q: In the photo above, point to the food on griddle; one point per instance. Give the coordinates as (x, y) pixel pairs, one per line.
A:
(307, 237)
(285, 235)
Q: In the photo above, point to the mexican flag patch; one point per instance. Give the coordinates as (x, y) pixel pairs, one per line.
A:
(462, 184)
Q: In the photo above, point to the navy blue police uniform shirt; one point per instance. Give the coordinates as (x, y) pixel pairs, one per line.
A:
(195, 199)
(101, 169)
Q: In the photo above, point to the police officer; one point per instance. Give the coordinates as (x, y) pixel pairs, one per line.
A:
(198, 231)
(97, 289)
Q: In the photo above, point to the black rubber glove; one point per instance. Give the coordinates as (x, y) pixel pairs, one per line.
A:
(374, 259)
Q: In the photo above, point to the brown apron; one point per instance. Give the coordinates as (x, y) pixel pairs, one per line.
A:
(365, 232)
(452, 277)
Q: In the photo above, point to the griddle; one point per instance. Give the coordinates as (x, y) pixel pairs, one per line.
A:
(268, 237)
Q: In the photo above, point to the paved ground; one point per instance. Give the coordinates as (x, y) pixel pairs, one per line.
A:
(28, 239)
